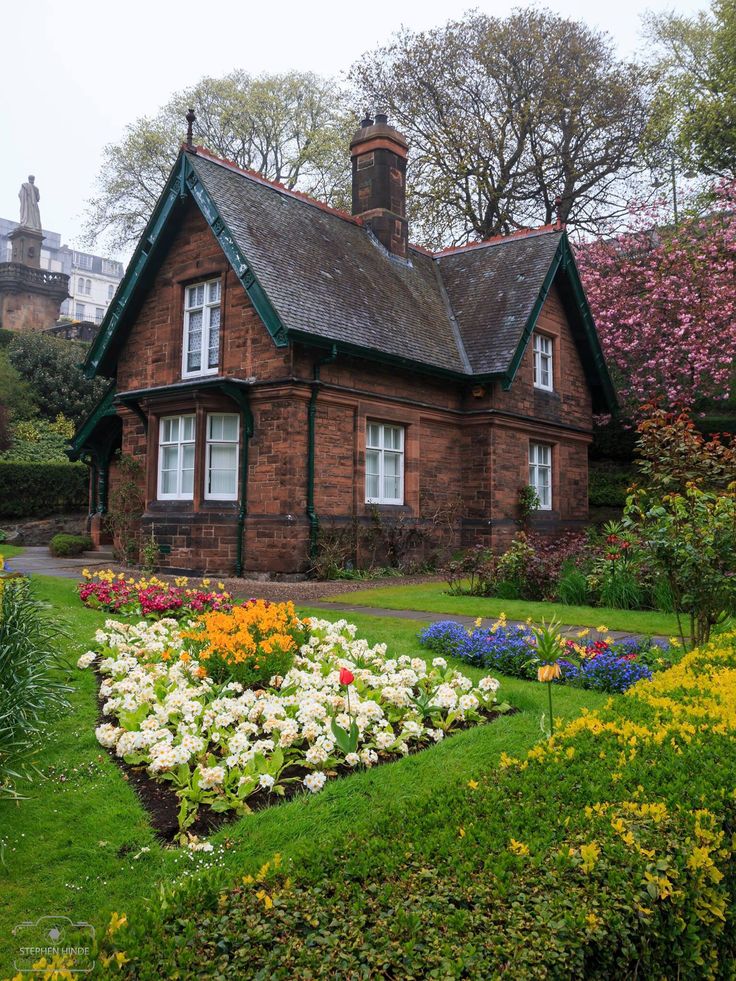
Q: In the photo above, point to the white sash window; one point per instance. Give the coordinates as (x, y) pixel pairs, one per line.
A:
(176, 458)
(543, 377)
(201, 348)
(384, 464)
(540, 473)
(223, 440)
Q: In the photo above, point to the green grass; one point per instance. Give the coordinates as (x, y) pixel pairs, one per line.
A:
(10, 551)
(432, 597)
(74, 846)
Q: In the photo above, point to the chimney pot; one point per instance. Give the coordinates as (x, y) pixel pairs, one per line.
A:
(381, 119)
(366, 121)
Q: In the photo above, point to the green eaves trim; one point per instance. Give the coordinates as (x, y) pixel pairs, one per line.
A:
(183, 180)
(263, 306)
(564, 259)
(105, 407)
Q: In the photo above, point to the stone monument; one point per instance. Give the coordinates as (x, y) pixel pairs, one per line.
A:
(30, 297)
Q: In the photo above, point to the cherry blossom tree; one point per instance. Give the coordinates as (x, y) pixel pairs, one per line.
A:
(664, 300)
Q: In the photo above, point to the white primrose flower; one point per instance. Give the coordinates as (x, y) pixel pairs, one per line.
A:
(489, 684)
(266, 780)
(439, 662)
(468, 702)
(108, 734)
(86, 659)
(211, 776)
(445, 697)
(352, 759)
(314, 782)
(385, 738)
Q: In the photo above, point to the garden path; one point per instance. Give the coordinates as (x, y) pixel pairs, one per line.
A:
(38, 561)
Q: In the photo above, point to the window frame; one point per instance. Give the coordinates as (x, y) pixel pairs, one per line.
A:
(209, 443)
(206, 310)
(540, 341)
(535, 466)
(180, 443)
(382, 450)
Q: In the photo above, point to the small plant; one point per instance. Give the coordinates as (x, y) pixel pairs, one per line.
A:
(63, 545)
(126, 507)
(572, 588)
(31, 692)
(527, 502)
(149, 553)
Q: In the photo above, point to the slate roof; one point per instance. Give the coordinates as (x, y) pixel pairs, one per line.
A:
(492, 290)
(326, 275)
(314, 273)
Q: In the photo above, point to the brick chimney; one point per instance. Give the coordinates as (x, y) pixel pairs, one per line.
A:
(379, 181)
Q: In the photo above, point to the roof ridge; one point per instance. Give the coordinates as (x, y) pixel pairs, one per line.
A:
(498, 240)
(254, 175)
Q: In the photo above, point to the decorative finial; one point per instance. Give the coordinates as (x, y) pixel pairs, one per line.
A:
(190, 117)
(366, 121)
(558, 211)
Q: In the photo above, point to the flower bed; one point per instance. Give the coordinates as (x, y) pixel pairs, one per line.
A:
(340, 705)
(602, 665)
(150, 597)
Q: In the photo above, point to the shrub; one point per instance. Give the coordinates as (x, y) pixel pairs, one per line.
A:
(31, 693)
(51, 366)
(39, 441)
(607, 852)
(30, 489)
(573, 588)
(608, 484)
(70, 544)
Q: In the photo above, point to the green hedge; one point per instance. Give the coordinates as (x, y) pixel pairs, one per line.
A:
(606, 853)
(608, 483)
(37, 489)
(63, 544)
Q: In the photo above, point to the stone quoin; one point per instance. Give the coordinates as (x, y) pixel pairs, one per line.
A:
(282, 370)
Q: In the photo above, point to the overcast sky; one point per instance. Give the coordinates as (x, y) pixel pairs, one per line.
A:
(76, 71)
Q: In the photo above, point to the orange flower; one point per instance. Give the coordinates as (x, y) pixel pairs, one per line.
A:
(548, 672)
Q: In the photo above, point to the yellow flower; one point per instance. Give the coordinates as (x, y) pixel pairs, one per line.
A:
(592, 920)
(116, 922)
(206, 582)
(221, 585)
(473, 784)
(518, 847)
(478, 621)
(584, 633)
(589, 854)
(548, 672)
(86, 574)
(461, 832)
(602, 629)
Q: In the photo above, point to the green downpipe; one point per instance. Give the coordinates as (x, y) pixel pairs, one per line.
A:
(312, 417)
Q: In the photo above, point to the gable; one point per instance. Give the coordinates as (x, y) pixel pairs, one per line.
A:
(318, 276)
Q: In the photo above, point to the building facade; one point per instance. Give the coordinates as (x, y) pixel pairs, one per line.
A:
(279, 368)
(93, 279)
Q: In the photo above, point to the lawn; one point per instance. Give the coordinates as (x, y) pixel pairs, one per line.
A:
(80, 845)
(432, 597)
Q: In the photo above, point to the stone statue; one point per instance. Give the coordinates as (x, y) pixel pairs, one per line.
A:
(30, 216)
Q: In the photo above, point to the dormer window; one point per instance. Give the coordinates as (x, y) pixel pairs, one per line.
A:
(202, 329)
(543, 376)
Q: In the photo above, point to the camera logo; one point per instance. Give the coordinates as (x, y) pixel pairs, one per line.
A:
(55, 940)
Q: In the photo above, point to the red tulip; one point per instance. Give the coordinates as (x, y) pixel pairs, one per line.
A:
(346, 677)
